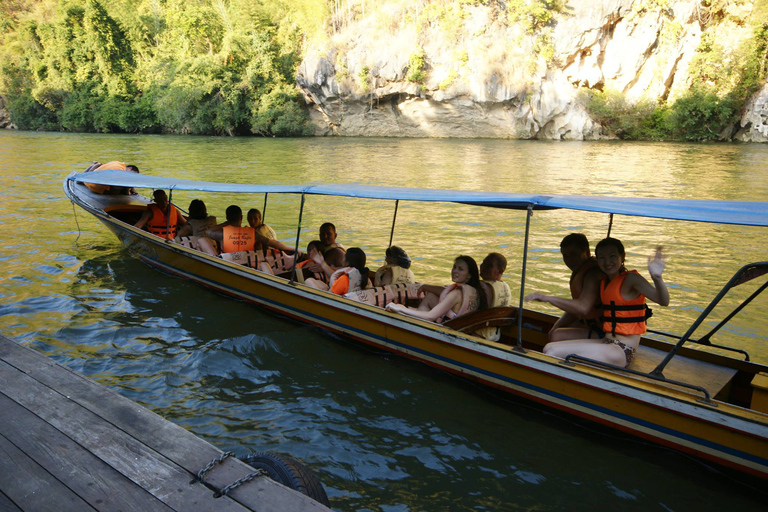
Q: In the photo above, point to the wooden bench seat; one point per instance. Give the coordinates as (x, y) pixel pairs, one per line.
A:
(709, 376)
(490, 317)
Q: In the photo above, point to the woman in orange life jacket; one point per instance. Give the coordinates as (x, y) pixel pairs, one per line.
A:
(154, 217)
(459, 298)
(351, 277)
(623, 294)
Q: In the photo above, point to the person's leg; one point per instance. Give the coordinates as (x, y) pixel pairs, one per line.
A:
(316, 284)
(205, 245)
(429, 301)
(571, 333)
(593, 349)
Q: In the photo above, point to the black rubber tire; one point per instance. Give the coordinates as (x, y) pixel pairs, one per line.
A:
(289, 472)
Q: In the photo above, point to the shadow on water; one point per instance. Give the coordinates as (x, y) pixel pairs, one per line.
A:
(381, 431)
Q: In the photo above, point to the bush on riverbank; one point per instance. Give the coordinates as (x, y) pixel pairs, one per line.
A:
(138, 66)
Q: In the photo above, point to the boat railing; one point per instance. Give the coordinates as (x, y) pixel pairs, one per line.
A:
(743, 275)
(651, 375)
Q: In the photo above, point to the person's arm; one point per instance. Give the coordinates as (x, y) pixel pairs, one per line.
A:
(431, 288)
(145, 217)
(386, 277)
(449, 301)
(581, 306)
(657, 292)
(185, 230)
(276, 244)
(215, 234)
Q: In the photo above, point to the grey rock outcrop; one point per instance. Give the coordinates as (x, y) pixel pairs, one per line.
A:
(490, 78)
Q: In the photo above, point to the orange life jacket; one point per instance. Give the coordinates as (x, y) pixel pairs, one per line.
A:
(622, 316)
(157, 224)
(109, 166)
(238, 239)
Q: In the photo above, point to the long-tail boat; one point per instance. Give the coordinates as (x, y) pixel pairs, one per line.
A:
(703, 402)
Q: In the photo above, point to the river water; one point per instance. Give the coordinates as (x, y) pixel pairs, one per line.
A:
(381, 432)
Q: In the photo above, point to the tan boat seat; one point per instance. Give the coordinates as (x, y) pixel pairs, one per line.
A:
(709, 376)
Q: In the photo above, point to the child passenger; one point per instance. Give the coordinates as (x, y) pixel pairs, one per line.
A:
(352, 277)
(461, 297)
(623, 294)
(397, 269)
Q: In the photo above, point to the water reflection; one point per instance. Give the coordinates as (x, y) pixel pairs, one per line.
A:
(383, 433)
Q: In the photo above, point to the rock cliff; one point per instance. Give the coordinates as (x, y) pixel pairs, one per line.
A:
(461, 70)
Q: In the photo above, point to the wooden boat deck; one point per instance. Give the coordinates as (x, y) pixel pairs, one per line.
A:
(70, 444)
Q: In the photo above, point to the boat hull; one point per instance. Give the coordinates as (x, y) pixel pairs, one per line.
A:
(720, 432)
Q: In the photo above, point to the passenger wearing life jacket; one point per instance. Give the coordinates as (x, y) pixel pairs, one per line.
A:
(397, 269)
(328, 238)
(255, 221)
(110, 166)
(497, 292)
(623, 296)
(233, 237)
(459, 298)
(581, 322)
(161, 218)
(351, 277)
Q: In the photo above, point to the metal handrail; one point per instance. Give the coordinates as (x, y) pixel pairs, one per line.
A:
(651, 375)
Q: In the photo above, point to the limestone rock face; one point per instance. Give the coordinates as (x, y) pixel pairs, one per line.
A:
(486, 77)
(754, 121)
(5, 116)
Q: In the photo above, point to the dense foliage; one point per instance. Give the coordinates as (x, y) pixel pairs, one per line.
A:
(722, 80)
(180, 66)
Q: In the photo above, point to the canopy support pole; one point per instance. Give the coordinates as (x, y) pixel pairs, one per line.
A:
(610, 225)
(394, 218)
(264, 209)
(298, 235)
(168, 214)
(519, 346)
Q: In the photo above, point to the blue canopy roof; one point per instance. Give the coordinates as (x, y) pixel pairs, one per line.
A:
(748, 213)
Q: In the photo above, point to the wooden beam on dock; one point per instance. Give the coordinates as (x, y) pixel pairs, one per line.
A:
(70, 444)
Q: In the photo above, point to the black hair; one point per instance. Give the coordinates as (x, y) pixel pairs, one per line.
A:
(474, 278)
(578, 240)
(234, 213)
(355, 256)
(401, 257)
(197, 210)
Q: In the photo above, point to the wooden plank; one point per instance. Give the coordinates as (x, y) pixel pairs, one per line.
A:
(710, 376)
(87, 476)
(30, 486)
(166, 438)
(6, 505)
(142, 465)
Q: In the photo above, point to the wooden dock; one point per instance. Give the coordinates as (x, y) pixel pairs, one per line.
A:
(70, 444)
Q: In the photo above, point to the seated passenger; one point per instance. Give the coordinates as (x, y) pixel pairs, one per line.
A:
(255, 221)
(497, 292)
(353, 276)
(328, 238)
(235, 238)
(585, 280)
(623, 294)
(462, 297)
(397, 268)
(109, 166)
(161, 218)
(199, 222)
